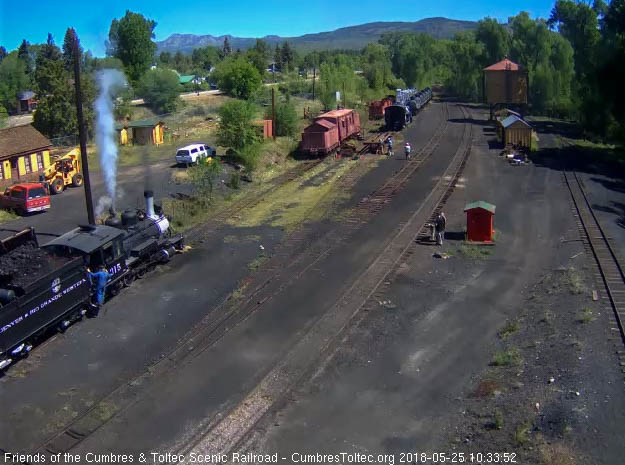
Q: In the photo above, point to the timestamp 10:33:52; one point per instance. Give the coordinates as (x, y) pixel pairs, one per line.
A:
(457, 457)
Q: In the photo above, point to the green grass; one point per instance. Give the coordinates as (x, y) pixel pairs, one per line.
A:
(509, 328)
(8, 215)
(506, 358)
(521, 435)
(474, 251)
(586, 316)
(498, 419)
(257, 262)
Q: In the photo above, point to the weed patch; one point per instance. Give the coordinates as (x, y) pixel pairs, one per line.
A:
(506, 358)
(474, 251)
(586, 316)
(7, 215)
(509, 328)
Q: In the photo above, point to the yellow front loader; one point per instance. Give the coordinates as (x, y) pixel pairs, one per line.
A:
(64, 171)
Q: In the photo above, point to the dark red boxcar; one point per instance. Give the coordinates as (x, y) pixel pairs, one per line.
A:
(480, 221)
(347, 121)
(377, 107)
(321, 137)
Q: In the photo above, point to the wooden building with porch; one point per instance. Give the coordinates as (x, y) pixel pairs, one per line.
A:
(141, 132)
(24, 154)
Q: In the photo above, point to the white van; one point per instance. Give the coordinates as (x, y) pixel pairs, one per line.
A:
(193, 153)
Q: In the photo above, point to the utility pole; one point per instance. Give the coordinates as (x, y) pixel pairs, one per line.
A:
(273, 112)
(344, 96)
(83, 133)
(314, 74)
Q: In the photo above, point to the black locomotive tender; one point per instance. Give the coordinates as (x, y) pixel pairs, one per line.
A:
(408, 103)
(47, 287)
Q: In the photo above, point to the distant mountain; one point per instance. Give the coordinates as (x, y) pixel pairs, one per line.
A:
(352, 37)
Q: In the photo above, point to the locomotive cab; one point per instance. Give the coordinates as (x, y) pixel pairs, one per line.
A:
(98, 245)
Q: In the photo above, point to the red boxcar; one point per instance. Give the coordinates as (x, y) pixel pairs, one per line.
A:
(321, 137)
(376, 108)
(348, 122)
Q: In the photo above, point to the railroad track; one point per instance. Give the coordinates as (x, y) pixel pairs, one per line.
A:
(274, 278)
(236, 430)
(597, 242)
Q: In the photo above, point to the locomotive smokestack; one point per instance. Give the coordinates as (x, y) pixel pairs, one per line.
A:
(149, 203)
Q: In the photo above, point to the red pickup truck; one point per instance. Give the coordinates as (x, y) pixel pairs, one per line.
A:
(26, 198)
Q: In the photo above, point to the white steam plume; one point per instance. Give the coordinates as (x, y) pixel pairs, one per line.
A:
(109, 82)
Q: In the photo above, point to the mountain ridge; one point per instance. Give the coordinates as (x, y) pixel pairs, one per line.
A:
(349, 37)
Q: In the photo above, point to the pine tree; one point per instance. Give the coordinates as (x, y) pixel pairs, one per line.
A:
(68, 48)
(277, 57)
(23, 53)
(3, 53)
(288, 58)
(227, 49)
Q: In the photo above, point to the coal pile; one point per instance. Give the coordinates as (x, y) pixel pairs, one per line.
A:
(26, 264)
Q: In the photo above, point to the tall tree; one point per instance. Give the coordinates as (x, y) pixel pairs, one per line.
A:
(496, 40)
(226, 49)
(68, 48)
(130, 40)
(13, 79)
(288, 56)
(277, 58)
(3, 53)
(23, 53)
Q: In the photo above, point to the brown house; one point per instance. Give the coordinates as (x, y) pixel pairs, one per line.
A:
(24, 154)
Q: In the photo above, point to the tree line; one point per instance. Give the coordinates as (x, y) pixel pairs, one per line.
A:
(574, 60)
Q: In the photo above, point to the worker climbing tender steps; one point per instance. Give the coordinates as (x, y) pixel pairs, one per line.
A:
(98, 281)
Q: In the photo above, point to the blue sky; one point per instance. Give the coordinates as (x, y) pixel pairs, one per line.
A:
(33, 19)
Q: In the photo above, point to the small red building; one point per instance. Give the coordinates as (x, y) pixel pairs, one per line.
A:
(480, 221)
(265, 127)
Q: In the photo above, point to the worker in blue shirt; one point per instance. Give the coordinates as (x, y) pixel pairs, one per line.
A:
(98, 281)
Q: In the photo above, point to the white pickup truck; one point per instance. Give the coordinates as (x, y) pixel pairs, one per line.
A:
(193, 153)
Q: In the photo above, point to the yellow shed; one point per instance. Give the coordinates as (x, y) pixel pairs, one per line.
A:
(141, 132)
(517, 132)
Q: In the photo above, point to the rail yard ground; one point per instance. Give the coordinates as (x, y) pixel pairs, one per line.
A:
(341, 334)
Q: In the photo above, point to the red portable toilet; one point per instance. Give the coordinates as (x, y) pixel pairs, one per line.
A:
(480, 221)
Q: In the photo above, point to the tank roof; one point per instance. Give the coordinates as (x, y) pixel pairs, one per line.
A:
(503, 65)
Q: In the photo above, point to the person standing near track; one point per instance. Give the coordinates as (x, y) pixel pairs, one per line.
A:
(440, 224)
(389, 141)
(408, 148)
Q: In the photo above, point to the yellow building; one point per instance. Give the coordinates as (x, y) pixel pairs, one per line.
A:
(516, 132)
(24, 154)
(142, 132)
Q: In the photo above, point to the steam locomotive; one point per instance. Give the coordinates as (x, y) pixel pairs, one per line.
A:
(47, 287)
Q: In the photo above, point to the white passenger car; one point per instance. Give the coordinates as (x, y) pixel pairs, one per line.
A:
(193, 153)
